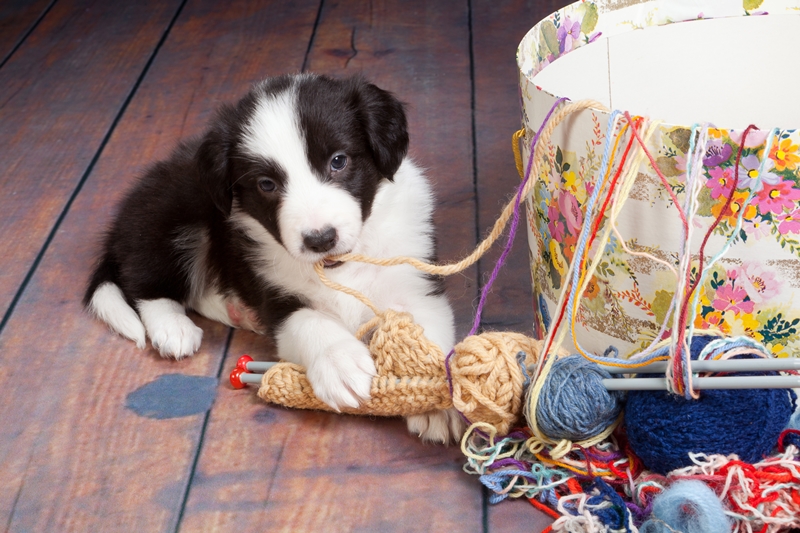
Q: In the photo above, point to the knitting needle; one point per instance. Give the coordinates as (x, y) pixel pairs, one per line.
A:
(241, 375)
(244, 371)
(245, 378)
(247, 364)
(719, 382)
(715, 365)
(240, 379)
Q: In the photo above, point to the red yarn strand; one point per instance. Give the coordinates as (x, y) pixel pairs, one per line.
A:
(684, 310)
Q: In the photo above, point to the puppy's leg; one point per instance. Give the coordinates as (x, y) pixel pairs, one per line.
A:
(172, 333)
(339, 366)
(109, 305)
(441, 427)
(434, 314)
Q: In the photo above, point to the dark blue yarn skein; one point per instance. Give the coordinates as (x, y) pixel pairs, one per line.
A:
(663, 428)
(573, 403)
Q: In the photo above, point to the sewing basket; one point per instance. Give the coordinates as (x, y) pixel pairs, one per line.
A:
(714, 65)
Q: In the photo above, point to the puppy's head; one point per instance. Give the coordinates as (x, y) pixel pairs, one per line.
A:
(301, 157)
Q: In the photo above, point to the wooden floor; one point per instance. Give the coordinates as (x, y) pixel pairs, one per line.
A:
(92, 436)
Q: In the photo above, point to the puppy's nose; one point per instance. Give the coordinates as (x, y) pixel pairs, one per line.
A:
(320, 240)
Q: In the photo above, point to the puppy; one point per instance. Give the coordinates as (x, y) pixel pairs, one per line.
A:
(301, 169)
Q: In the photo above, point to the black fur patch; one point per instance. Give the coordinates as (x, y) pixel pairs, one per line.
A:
(193, 192)
(357, 119)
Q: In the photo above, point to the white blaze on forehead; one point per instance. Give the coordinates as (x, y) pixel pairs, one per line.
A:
(307, 203)
(274, 133)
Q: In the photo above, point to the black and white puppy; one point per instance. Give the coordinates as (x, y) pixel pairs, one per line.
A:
(301, 169)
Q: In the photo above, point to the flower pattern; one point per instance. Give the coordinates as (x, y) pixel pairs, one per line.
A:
(741, 295)
(784, 154)
(752, 289)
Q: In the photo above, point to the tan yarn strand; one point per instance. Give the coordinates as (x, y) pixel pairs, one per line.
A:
(320, 270)
(499, 225)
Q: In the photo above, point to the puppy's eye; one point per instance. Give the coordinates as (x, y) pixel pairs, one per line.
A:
(338, 162)
(266, 185)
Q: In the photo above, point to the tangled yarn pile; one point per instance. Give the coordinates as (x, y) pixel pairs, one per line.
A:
(605, 487)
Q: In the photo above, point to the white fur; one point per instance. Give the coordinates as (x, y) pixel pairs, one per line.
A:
(109, 305)
(214, 306)
(321, 337)
(338, 366)
(308, 203)
(171, 332)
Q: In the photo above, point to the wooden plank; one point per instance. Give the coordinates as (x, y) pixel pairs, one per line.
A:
(59, 94)
(516, 516)
(74, 457)
(17, 18)
(498, 27)
(497, 30)
(267, 467)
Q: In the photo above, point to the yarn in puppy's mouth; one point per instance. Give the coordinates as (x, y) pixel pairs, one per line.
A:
(328, 262)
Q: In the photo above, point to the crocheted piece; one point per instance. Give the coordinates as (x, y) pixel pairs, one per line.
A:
(487, 377)
(411, 377)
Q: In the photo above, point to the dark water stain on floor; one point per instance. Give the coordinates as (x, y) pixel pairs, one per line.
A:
(173, 396)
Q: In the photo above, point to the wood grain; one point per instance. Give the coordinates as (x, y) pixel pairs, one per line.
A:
(496, 34)
(73, 457)
(77, 459)
(516, 516)
(306, 471)
(59, 95)
(266, 467)
(17, 18)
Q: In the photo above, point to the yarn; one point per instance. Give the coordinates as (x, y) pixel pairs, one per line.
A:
(573, 403)
(764, 496)
(609, 506)
(487, 377)
(664, 429)
(690, 507)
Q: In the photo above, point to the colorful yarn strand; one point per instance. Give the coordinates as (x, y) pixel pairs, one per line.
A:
(759, 497)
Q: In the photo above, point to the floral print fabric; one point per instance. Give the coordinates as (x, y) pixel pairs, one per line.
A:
(754, 287)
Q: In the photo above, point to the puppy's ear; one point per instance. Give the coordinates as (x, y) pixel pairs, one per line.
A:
(212, 164)
(384, 121)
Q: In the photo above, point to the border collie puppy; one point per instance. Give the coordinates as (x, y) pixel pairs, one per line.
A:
(301, 169)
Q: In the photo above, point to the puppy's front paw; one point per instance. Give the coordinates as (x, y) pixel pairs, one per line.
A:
(342, 375)
(437, 426)
(175, 335)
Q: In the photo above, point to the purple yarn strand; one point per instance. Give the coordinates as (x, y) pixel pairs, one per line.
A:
(514, 224)
(509, 242)
(509, 461)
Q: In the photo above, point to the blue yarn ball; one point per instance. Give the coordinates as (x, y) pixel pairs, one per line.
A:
(690, 507)
(573, 403)
(663, 428)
